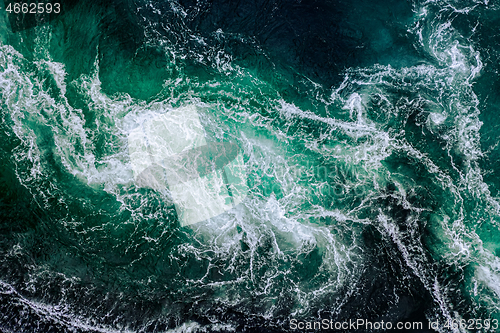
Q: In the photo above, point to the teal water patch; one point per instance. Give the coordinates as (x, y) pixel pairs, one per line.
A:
(369, 148)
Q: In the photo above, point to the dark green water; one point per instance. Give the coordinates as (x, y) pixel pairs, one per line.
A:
(369, 133)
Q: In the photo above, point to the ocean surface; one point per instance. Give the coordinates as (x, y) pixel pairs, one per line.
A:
(369, 133)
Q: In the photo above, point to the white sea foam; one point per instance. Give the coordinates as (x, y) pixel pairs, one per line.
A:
(293, 223)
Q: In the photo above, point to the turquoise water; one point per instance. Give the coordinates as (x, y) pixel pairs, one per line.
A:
(369, 136)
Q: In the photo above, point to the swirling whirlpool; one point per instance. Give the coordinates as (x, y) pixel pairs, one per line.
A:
(347, 157)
